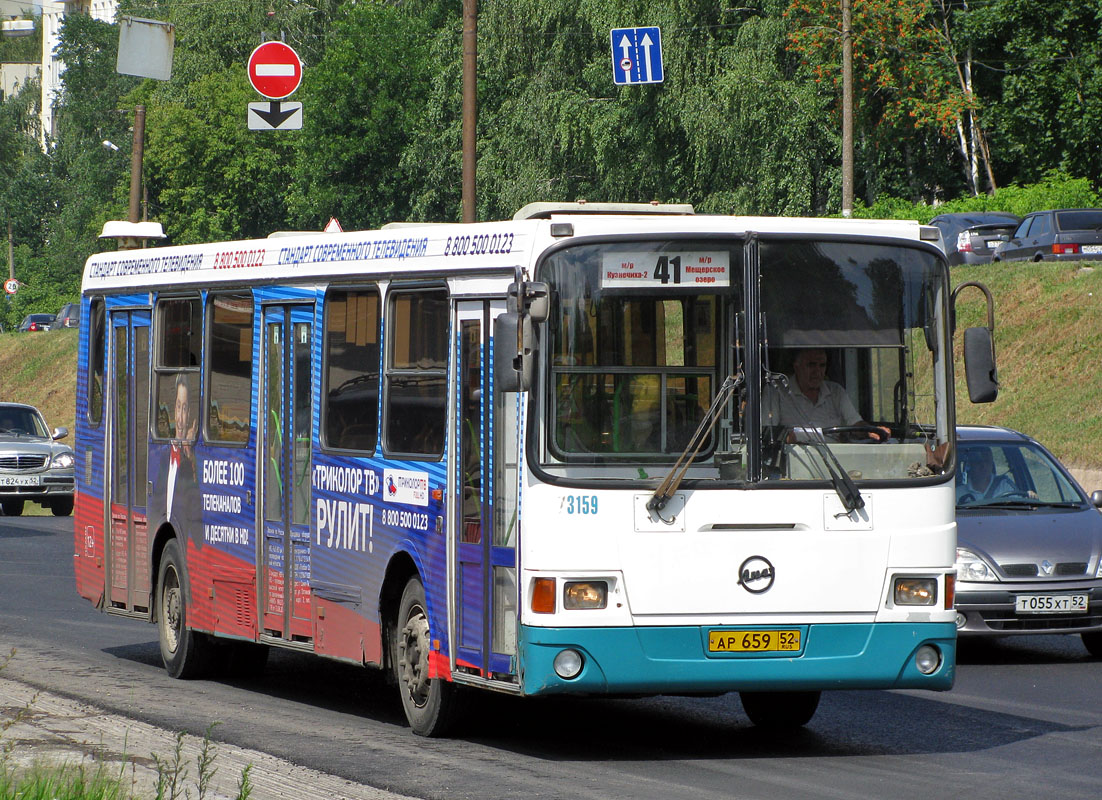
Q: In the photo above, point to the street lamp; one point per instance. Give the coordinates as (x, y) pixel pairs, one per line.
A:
(110, 145)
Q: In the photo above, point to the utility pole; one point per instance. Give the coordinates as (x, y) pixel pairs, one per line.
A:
(136, 163)
(847, 109)
(11, 251)
(470, 112)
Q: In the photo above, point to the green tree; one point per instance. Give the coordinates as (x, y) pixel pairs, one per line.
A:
(1046, 80)
(212, 177)
(361, 106)
(88, 182)
(908, 98)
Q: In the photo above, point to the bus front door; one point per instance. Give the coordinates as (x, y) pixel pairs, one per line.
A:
(482, 520)
(284, 451)
(128, 566)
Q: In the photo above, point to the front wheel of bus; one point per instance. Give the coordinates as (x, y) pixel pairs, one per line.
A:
(428, 702)
(780, 710)
(185, 653)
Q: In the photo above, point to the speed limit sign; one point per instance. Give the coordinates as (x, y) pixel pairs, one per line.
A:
(11, 286)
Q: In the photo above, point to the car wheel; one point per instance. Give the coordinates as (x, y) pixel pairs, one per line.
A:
(1093, 642)
(779, 711)
(12, 508)
(62, 508)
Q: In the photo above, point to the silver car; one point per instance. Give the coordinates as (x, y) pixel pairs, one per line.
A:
(1029, 541)
(34, 465)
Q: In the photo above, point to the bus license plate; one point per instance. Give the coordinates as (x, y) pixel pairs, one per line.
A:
(753, 641)
(20, 480)
(1050, 603)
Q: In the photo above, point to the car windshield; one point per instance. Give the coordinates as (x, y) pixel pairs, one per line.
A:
(21, 422)
(995, 473)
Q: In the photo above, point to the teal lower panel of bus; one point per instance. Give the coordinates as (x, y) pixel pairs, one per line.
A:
(674, 660)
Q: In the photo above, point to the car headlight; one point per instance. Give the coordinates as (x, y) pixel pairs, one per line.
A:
(62, 461)
(973, 569)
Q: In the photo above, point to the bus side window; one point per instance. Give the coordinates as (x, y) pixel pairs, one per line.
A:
(417, 362)
(179, 334)
(230, 368)
(350, 406)
(96, 359)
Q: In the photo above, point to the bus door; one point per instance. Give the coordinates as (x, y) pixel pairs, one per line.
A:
(483, 518)
(284, 450)
(127, 447)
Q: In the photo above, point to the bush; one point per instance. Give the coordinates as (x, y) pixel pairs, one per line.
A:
(1056, 190)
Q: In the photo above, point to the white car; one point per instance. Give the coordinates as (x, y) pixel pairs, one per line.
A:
(34, 465)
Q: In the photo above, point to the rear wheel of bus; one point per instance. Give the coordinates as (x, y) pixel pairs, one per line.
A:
(780, 710)
(428, 702)
(185, 653)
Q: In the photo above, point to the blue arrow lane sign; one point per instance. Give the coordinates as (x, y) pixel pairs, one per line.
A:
(636, 55)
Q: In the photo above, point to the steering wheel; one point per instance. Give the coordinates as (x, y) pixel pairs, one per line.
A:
(852, 433)
(967, 497)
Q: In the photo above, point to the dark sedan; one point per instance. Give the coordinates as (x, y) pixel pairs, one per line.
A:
(1070, 234)
(1029, 541)
(966, 237)
(36, 322)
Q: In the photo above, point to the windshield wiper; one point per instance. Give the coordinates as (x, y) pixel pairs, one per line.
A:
(843, 484)
(1030, 503)
(669, 484)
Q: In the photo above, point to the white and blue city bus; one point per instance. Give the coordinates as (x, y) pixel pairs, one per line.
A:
(535, 456)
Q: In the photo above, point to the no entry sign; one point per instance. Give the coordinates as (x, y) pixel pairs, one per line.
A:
(275, 70)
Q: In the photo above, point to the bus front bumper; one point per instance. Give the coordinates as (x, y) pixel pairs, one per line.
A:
(676, 660)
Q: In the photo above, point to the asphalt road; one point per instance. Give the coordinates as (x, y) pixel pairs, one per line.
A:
(1024, 720)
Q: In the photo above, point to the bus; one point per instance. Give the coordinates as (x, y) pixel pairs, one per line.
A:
(546, 455)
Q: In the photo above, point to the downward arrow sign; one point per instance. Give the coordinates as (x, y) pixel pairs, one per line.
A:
(275, 115)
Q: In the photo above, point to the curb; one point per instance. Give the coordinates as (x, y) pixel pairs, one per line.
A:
(38, 728)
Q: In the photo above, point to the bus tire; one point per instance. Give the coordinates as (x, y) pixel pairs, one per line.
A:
(777, 711)
(185, 653)
(427, 702)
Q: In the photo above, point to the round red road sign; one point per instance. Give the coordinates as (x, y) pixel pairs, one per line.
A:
(275, 70)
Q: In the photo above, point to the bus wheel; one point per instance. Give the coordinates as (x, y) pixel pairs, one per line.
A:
(427, 702)
(185, 653)
(779, 710)
(12, 508)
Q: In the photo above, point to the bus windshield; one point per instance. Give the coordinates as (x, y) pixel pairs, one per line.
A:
(642, 334)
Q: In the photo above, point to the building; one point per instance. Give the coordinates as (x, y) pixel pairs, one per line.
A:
(53, 11)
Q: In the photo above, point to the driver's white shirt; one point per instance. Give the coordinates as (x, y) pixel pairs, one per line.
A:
(794, 409)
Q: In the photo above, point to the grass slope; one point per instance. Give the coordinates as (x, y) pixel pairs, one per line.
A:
(1048, 340)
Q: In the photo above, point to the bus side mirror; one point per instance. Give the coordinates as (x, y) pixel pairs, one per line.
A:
(979, 350)
(979, 365)
(514, 352)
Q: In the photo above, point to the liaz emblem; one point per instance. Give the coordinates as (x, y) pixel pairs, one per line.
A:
(756, 575)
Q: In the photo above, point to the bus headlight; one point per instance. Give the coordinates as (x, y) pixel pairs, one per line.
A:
(915, 591)
(585, 594)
